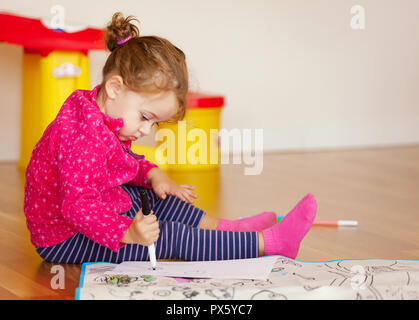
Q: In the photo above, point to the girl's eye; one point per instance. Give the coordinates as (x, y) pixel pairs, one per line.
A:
(147, 119)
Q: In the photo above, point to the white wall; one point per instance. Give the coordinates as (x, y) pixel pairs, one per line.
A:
(292, 67)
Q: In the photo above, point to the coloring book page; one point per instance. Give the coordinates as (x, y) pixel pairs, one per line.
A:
(256, 268)
(357, 279)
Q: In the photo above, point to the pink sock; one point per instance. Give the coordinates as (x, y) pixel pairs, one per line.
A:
(284, 238)
(258, 223)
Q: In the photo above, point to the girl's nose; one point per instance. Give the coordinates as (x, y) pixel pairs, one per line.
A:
(145, 130)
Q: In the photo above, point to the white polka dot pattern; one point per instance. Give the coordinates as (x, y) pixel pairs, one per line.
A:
(73, 178)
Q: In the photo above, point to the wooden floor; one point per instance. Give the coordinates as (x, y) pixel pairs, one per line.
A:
(377, 187)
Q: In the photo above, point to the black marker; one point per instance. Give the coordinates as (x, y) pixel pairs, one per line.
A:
(145, 204)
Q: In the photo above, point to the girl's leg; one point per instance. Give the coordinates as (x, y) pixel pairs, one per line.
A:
(180, 241)
(302, 214)
(169, 209)
(285, 237)
(258, 222)
(209, 222)
(174, 209)
(176, 241)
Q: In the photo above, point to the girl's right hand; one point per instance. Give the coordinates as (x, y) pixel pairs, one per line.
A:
(143, 230)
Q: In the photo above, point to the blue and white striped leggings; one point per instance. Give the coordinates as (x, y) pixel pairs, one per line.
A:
(179, 237)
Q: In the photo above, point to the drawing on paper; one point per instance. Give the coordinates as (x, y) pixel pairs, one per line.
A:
(367, 279)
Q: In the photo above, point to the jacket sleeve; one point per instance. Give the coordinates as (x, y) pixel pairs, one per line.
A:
(144, 167)
(82, 173)
(141, 177)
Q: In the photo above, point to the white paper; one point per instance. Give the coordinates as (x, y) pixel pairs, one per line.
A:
(256, 268)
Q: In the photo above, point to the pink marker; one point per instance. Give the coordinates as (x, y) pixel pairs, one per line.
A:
(338, 223)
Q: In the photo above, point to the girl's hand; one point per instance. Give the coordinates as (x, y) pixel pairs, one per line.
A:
(183, 191)
(143, 230)
(163, 186)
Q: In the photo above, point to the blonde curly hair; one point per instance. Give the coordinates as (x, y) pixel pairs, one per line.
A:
(145, 63)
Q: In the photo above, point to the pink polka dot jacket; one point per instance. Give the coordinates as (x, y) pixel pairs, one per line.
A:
(74, 175)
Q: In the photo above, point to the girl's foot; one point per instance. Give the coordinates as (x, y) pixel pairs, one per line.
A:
(284, 238)
(258, 223)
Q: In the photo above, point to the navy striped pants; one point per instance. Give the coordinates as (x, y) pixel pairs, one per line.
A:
(179, 237)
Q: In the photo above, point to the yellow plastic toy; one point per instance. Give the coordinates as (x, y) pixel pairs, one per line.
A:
(44, 94)
(55, 63)
(191, 144)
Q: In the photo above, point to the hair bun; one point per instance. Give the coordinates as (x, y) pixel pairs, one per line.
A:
(120, 28)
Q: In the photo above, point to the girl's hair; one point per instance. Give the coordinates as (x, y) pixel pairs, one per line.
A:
(147, 64)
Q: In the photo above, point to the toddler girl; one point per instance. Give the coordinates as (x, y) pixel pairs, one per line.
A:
(82, 186)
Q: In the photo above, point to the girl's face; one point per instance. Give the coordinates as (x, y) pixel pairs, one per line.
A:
(140, 112)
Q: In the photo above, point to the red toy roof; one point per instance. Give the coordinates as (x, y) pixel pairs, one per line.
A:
(33, 35)
(203, 100)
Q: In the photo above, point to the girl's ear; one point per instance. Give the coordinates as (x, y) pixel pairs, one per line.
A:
(114, 86)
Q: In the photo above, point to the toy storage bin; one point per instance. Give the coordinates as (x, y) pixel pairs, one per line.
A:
(200, 125)
(55, 63)
(44, 91)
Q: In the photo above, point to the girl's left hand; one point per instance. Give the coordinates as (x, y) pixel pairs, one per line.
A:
(163, 186)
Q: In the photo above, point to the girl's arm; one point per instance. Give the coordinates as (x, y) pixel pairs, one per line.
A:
(142, 176)
(81, 180)
(155, 173)
(163, 186)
